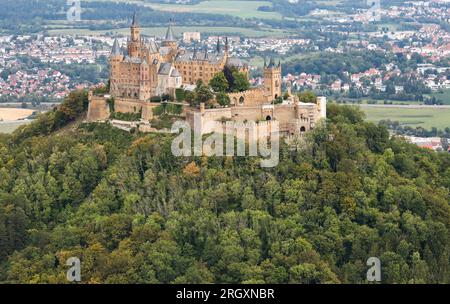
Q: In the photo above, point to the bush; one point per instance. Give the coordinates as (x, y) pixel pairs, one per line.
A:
(180, 94)
(155, 99)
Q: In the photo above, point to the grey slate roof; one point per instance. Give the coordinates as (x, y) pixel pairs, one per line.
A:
(116, 51)
(152, 47)
(199, 56)
(135, 20)
(169, 34)
(271, 63)
(164, 68)
(133, 60)
(175, 73)
(218, 46)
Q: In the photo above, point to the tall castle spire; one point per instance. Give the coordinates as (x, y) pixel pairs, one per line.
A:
(218, 46)
(226, 45)
(206, 52)
(169, 34)
(135, 30)
(135, 20)
(116, 51)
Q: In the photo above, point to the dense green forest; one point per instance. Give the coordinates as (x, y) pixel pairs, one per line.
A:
(134, 213)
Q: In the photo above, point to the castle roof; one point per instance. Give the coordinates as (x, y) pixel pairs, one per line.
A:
(135, 20)
(175, 73)
(271, 63)
(218, 46)
(133, 60)
(194, 55)
(169, 34)
(152, 47)
(205, 56)
(165, 68)
(116, 51)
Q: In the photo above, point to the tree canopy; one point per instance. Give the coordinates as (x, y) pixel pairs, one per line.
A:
(134, 213)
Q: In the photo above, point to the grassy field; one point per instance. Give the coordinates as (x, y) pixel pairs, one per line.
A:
(242, 9)
(9, 127)
(160, 31)
(425, 117)
(236, 8)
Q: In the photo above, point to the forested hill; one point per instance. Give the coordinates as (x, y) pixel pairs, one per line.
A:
(133, 213)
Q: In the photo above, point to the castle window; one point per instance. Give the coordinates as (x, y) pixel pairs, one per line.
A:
(302, 129)
(241, 100)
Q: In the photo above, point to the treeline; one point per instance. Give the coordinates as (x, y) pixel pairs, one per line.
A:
(336, 64)
(134, 213)
(417, 131)
(73, 107)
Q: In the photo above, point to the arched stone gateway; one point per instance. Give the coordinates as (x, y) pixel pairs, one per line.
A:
(268, 117)
(302, 129)
(241, 100)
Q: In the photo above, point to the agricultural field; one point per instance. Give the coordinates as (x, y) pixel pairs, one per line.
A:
(424, 117)
(160, 31)
(12, 118)
(10, 126)
(12, 114)
(235, 8)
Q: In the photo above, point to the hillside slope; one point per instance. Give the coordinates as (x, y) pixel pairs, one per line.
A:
(134, 213)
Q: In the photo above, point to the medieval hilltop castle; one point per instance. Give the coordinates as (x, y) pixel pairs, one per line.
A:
(147, 69)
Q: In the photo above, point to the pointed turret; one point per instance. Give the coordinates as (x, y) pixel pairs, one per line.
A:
(135, 20)
(116, 51)
(206, 52)
(135, 29)
(170, 40)
(169, 34)
(226, 45)
(194, 55)
(271, 63)
(218, 46)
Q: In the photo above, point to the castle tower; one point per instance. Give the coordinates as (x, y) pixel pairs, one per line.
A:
(170, 40)
(134, 45)
(144, 81)
(116, 59)
(272, 80)
(322, 106)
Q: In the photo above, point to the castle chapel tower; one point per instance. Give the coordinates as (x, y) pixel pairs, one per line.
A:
(272, 79)
(134, 47)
